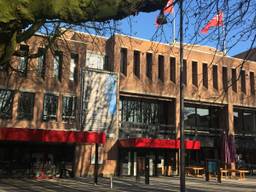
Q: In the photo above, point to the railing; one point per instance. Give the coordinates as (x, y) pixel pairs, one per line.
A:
(138, 130)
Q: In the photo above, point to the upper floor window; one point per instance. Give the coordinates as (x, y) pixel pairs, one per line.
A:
(73, 67)
(41, 62)
(68, 107)
(252, 83)
(50, 107)
(136, 63)
(161, 68)
(173, 69)
(185, 72)
(243, 81)
(234, 80)
(215, 76)
(123, 61)
(225, 78)
(6, 101)
(194, 73)
(57, 66)
(149, 63)
(95, 60)
(23, 60)
(205, 75)
(26, 105)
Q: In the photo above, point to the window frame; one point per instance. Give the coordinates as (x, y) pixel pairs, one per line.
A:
(26, 115)
(9, 103)
(49, 114)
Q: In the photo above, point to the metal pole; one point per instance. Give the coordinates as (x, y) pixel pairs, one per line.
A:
(182, 146)
(96, 165)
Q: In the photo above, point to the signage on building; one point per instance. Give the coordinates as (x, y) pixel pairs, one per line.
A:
(100, 102)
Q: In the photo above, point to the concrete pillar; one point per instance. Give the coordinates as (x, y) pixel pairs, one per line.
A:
(177, 124)
(129, 163)
(81, 163)
(231, 131)
(135, 164)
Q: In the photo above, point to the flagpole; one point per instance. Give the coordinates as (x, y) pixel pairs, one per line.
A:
(173, 27)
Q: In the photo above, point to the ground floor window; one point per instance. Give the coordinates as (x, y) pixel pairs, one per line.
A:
(244, 121)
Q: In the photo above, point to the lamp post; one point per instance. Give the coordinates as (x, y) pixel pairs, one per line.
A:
(182, 145)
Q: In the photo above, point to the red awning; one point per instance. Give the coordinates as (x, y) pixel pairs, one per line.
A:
(57, 136)
(158, 143)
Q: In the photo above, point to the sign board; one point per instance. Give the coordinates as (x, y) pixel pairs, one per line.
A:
(100, 102)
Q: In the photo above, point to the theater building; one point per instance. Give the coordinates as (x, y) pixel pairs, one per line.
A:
(123, 94)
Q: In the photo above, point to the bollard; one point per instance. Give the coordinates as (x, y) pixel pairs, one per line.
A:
(111, 182)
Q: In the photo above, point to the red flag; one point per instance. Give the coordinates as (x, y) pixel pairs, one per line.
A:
(168, 7)
(216, 21)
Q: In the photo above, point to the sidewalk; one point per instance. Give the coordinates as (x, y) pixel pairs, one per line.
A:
(129, 184)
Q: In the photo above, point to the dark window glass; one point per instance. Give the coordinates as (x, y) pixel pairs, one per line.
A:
(123, 61)
(244, 121)
(26, 105)
(185, 71)
(190, 117)
(234, 80)
(41, 62)
(57, 66)
(203, 118)
(173, 69)
(252, 83)
(225, 78)
(149, 60)
(23, 60)
(205, 75)
(136, 63)
(161, 68)
(50, 107)
(215, 76)
(194, 73)
(243, 81)
(106, 63)
(248, 121)
(68, 107)
(6, 101)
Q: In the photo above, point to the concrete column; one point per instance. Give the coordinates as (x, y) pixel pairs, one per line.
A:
(129, 163)
(177, 124)
(135, 164)
(231, 131)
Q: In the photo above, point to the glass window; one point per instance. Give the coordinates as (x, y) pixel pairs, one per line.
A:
(203, 118)
(194, 73)
(41, 62)
(123, 61)
(215, 76)
(252, 83)
(73, 64)
(243, 81)
(234, 80)
(185, 71)
(173, 69)
(68, 107)
(149, 61)
(248, 119)
(225, 78)
(50, 107)
(26, 105)
(190, 117)
(23, 60)
(6, 101)
(205, 75)
(57, 66)
(237, 121)
(214, 115)
(161, 68)
(136, 63)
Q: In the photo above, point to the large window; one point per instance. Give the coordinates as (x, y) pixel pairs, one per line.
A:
(149, 60)
(173, 69)
(123, 61)
(194, 73)
(136, 63)
(23, 60)
(26, 105)
(244, 121)
(68, 107)
(50, 107)
(73, 67)
(57, 66)
(6, 101)
(41, 62)
(161, 68)
(185, 71)
(201, 118)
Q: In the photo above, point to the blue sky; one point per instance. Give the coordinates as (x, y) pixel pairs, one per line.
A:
(143, 26)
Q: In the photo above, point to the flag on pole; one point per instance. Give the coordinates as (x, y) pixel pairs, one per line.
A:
(168, 7)
(161, 18)
(216, 21)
